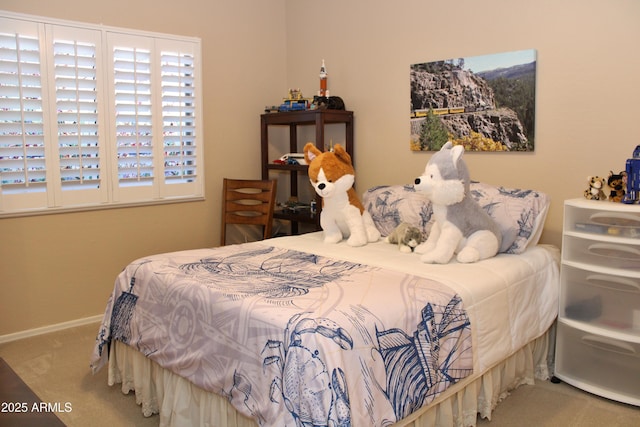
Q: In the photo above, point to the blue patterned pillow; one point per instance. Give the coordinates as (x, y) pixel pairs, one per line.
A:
(390, 205)
(520, 214)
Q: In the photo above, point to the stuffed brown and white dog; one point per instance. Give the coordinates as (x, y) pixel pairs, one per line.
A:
(343, 216)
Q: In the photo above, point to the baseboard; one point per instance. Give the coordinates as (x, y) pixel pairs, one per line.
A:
(50, 328)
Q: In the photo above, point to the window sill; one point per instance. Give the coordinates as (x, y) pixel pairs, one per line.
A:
(63, 210)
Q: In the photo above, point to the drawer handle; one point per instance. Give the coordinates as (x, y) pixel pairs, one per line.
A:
(615, 218)
(606, 344)
(613, 283)
(614, 251)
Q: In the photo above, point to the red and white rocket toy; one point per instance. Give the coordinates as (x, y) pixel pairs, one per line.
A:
(323, 81)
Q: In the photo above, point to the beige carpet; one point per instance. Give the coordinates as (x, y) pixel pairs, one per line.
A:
(56, 367)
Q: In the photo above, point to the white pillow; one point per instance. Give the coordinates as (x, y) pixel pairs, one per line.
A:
(520, 214)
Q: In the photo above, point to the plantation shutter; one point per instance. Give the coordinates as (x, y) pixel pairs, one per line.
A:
(135, 171)
(154, 112)
(80, 140)
(93, 116)
(179, 104)
(23, 154)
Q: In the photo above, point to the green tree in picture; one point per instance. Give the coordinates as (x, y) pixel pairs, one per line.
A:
(433, 134)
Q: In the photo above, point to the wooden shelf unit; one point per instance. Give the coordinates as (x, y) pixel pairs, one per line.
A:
(295, 119)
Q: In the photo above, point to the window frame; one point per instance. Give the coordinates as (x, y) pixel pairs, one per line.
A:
(177, 172)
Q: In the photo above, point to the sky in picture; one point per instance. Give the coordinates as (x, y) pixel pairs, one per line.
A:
(478, 64)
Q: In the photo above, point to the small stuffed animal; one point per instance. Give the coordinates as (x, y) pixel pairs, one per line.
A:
(617, 183)
(461, 226)
(596, 185)
(343, 215)
(406, 236)
(327, 103)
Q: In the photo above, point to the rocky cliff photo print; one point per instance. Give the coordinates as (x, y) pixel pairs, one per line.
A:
(486, 103)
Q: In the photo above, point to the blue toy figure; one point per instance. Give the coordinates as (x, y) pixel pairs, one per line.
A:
(633, 177)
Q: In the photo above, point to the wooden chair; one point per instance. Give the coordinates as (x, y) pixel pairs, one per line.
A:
(248, 202)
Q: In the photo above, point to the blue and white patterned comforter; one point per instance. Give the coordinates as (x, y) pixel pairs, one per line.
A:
(292, 338)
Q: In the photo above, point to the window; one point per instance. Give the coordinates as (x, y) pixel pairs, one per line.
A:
(96, 117)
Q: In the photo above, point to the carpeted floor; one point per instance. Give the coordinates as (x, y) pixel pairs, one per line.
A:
(56, 367)
(21, 407)
(560, 405)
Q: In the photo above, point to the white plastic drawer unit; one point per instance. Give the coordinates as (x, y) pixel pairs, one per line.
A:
(602, 233)
(598, 340)
(598, 297)
(600, 364)
(603, 218)
(607, 253)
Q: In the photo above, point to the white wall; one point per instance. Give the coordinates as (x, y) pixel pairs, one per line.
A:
(588, 96)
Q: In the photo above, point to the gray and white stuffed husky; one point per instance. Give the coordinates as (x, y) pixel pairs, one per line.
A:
(461, 226)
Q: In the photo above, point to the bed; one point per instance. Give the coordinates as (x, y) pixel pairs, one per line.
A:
(291, 331)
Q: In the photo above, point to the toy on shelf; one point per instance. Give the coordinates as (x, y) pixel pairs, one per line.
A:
(322, 101)
(291, 159)
(617, 183)
(323, 81)
(633, 177)
(292, 205)
(595, 190)
(327, 103)
(295, 102)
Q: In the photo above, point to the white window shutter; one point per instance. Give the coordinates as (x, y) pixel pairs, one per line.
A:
(178, 118)
(180, 113)
(92, 116)
(23, 155)
(155, 109)
(77, 71)
(134, 171)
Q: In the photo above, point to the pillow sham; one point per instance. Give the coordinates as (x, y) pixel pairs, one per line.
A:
(389, 205)
(520, 214)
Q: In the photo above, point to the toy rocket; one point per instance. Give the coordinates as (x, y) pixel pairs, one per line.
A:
(323, 81)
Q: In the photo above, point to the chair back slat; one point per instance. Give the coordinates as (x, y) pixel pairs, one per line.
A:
(248, 202)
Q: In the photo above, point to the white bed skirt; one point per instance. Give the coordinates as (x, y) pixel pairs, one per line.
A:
(182, 404)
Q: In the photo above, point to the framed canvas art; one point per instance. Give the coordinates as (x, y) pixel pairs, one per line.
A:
(486, 103)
